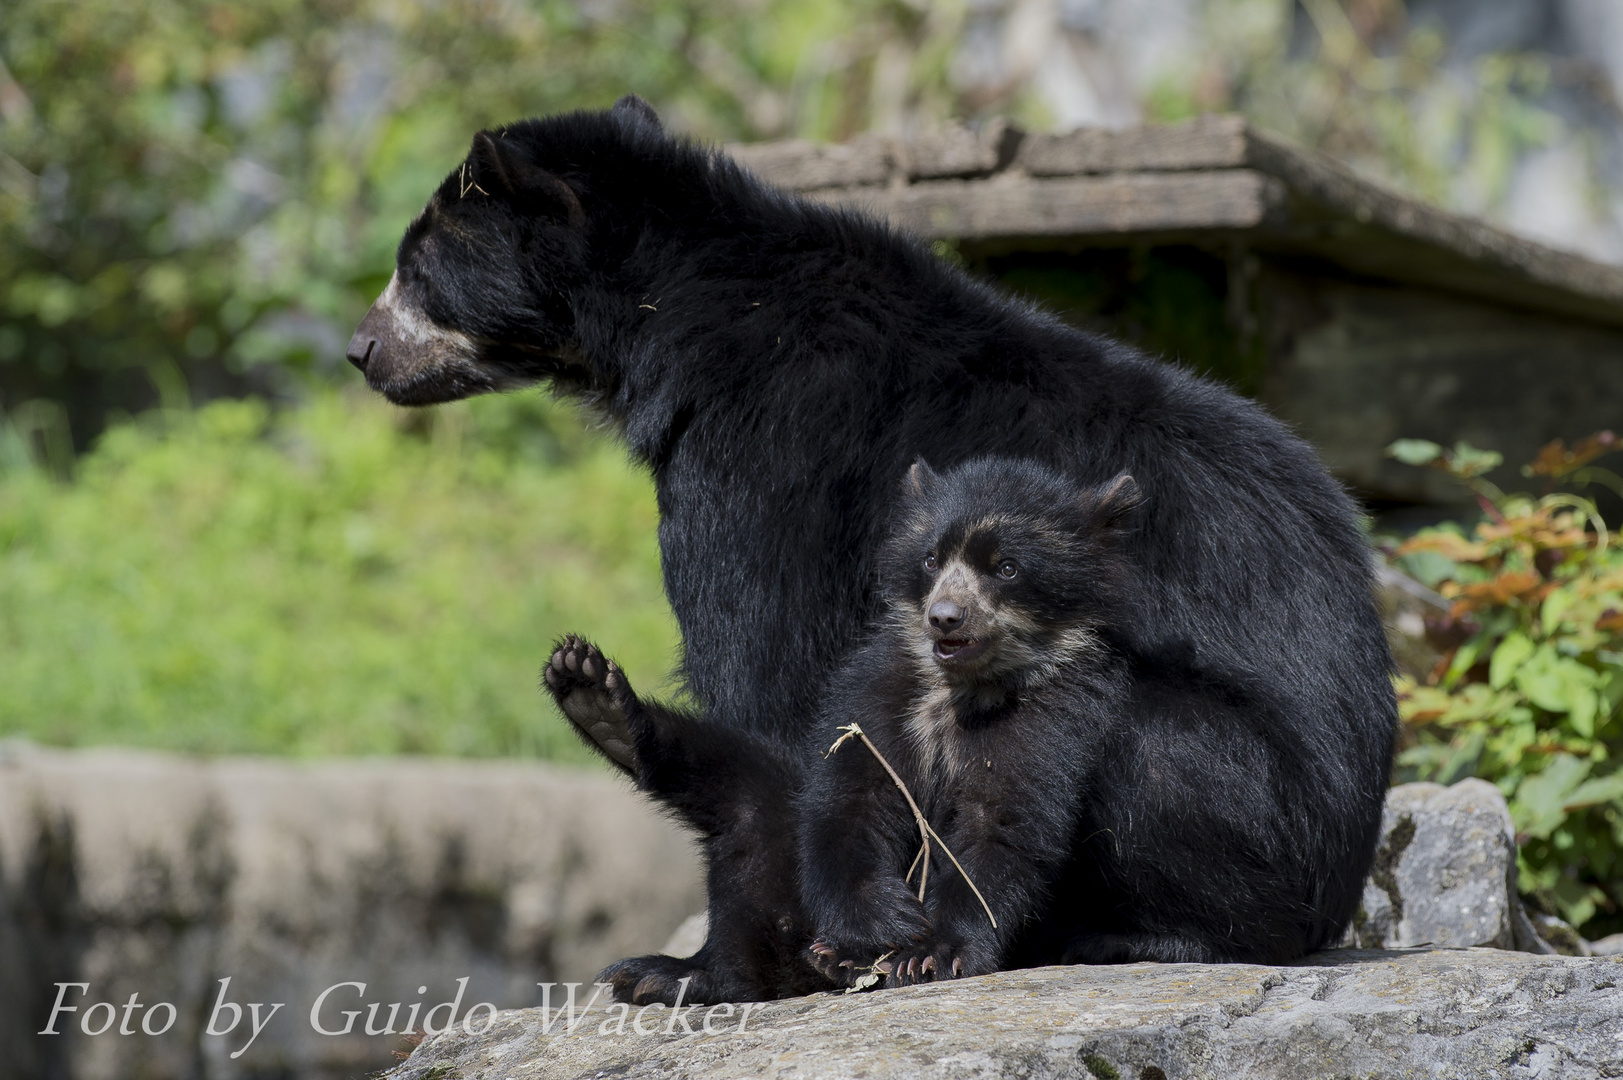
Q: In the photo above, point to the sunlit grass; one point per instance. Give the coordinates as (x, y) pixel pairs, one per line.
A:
(342, 577)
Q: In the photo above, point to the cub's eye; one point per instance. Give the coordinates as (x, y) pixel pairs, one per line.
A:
(929, 563)
(1006, 570)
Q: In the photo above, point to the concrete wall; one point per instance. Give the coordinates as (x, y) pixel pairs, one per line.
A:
(159, 875)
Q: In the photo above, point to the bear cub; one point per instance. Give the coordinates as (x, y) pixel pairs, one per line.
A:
(981, 686)
(1104, 797)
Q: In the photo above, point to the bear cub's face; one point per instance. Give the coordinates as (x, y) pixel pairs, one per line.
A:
(1002, 571)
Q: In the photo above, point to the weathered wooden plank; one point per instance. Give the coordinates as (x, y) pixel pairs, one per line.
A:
(1016, 206)
(1206, 142)
(948, 151)
(956, 150)
(802, 165)
(1111, 183)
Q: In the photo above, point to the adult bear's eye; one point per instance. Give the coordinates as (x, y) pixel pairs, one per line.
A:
(929, 563)
(1006, 570)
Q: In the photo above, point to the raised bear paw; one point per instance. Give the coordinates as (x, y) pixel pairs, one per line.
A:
(594, 695)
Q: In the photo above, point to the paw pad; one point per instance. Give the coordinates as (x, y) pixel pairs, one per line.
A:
(595, 697)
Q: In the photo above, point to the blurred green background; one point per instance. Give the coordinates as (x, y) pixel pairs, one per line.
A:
(212, 538)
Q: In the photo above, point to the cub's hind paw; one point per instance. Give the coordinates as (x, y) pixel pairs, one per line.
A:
(643, 980)
(594, 695)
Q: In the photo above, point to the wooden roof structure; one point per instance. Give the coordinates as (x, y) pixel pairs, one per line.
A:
(1214, 174)
(1357, 314)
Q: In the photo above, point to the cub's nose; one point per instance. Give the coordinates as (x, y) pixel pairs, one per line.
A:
(946, 616)
(361, 347)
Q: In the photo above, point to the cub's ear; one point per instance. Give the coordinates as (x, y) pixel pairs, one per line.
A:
(636, 106)
(921, 479)
(498, 169)
(1118, 503)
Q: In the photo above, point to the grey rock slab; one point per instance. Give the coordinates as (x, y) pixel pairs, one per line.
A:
(1444, 873)
(1424, 1013)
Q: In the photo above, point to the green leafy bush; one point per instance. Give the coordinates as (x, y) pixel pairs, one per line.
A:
(339, 577)
(210, 194)
(1527, 692)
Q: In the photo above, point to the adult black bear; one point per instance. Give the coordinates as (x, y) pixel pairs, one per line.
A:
(777, 364)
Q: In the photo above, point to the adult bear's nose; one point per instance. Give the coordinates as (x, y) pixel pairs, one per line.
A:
(361, 347)
(946, 616)
(367, 347)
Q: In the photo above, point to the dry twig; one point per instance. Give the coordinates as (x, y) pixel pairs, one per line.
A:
(926, 833)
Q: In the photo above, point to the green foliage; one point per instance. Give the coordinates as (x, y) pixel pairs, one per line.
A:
(1465, 461)
(1527, 693)
(343, 577)
(189, 187)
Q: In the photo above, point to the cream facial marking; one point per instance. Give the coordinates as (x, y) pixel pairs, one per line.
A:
(1012, 648)
(412, 326)
(958, 585)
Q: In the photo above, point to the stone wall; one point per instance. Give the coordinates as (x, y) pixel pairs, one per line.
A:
(159, 875)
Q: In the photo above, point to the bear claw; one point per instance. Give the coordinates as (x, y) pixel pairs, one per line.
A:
(644, 980)
(922, 962)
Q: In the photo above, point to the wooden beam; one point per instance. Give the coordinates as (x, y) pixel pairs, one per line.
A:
(1207, 142)
(802, 165)
(1345, 210)
(1016, 206)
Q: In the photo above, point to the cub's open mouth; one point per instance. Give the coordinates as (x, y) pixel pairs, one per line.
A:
(958, 650)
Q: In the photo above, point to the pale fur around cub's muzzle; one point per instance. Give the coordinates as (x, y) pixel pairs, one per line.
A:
(1013, 644)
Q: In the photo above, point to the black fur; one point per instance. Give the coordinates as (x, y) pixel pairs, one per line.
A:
(987, 686)
(777, 364)
(1068, 767)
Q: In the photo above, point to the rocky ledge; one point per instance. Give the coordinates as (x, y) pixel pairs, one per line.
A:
(1468, 1013)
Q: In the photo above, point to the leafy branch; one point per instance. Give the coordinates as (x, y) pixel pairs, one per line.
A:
(1528, 691)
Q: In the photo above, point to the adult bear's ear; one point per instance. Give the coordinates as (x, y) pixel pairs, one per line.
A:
(1117, 503)
(496, 168)
(921, 479)
(635, 106)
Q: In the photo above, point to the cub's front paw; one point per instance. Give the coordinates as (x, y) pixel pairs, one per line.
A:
(868, 967)
(594, 695)
(929, 961)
